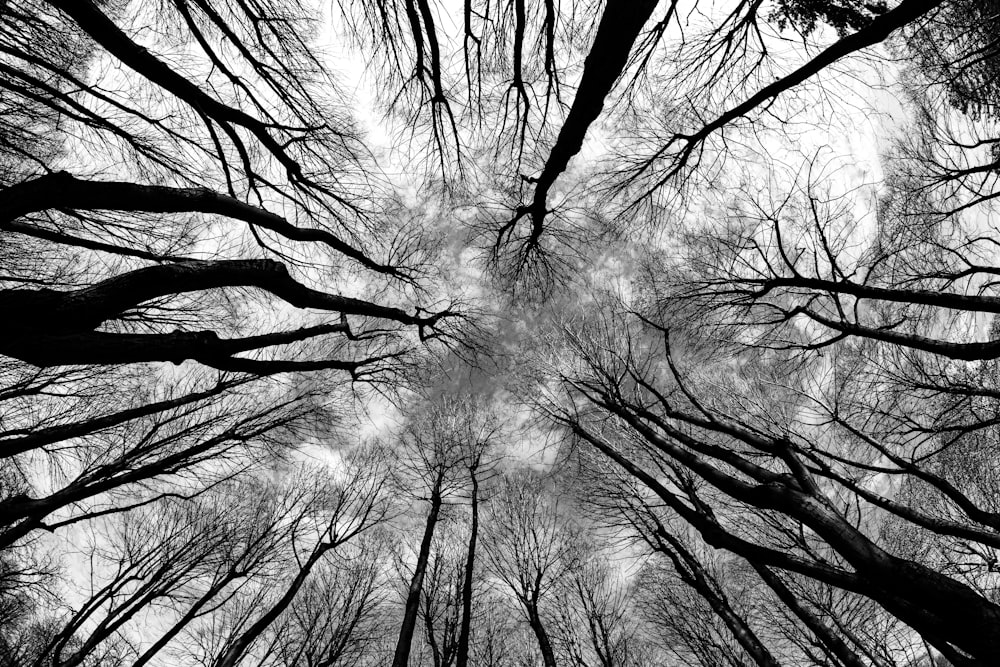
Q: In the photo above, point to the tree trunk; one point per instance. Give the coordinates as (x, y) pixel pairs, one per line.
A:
(694, 575)
(235, 653)
(402, 655)
(544, 644)
(833, 643)
(470, 562)
(617, 31)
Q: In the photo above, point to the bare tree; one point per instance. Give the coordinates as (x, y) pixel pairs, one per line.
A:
(445, 446)
(802, 509)
(183, 561)
(681, 572)
(441, 609)
(335, 617)
(665, 84)
(595, 615)
(206, 271)
(530, 547)
(198, 198)
(344, 509)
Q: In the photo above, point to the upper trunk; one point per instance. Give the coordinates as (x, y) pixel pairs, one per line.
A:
(619, 27)
(462, 658)
(544, 644)
(402, 654)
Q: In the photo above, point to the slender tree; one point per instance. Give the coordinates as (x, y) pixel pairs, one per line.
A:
(436, 452)
(230, 229)
(530, 547)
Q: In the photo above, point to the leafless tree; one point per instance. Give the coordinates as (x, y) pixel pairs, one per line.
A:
(530, 547)
(336, 617)
(176, 182)
(445, 448)
(793, 404)
(594, 615)
(659, 79)
(181, 562)
(345, 508)
(800, 483)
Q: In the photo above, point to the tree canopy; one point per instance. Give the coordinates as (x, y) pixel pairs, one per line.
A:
(497, 333)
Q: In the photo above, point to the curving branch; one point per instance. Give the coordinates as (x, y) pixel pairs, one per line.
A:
(62, 190)
(874, 33)
(58, 327)
(103, 30)
(607, 59)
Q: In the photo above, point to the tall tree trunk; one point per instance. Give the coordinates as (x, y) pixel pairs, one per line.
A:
(184, 620)
(694, 575)
(435, 650)
(620, 25)
(831, 641)
(236, 652)
(402, 655)
(470, 561)
(544, 644)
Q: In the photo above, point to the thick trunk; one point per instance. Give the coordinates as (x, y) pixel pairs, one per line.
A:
(50, 311)
(949, 614)
(619, 27)
(55, 328)
(402, 654)
(544, 643)
(101, 348)
(62, 190)
(470, 562)
(946, 612)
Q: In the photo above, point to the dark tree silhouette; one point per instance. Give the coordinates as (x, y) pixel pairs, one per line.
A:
(445, 446)
(206, 210)
(530, 547)
(232, 231)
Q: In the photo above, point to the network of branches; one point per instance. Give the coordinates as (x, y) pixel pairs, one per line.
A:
(596, 333)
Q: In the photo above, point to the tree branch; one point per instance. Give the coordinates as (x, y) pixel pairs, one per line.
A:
(62, 190)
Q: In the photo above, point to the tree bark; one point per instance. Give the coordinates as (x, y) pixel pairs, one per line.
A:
(833, 643)
(51, 311)
(54, 328)
(620, 25)
(62, 190)
(541, 635)
(402, 654)
(470, 562)
(694, 575)
(233, 655)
